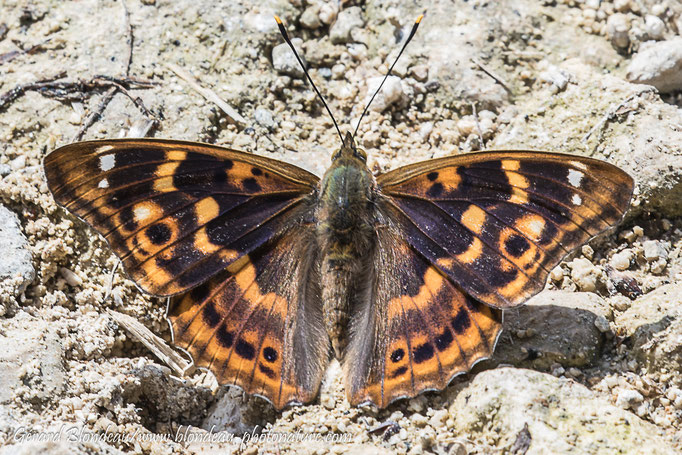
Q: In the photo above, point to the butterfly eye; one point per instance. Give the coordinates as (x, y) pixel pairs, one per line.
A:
(359, 153)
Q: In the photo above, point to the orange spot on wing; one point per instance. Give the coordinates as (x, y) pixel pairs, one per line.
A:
(472, 253)
(474, 219)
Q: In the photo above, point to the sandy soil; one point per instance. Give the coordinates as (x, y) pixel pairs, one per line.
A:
(591, 365)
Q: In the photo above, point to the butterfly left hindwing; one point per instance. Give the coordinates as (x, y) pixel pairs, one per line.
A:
(258, 325)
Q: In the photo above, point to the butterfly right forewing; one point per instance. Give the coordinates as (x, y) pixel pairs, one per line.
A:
(497, 223)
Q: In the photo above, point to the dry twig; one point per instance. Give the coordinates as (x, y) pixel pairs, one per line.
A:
(615, 112)
(494, 76)
(157, 345)
(209, 94)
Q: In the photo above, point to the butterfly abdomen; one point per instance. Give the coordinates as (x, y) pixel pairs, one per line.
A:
(345, 232)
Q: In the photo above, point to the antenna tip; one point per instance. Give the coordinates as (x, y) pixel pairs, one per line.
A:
(278, 20)
(419, 19)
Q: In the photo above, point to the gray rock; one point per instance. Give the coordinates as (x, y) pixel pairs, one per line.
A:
(562, 416)
(5, 169)
(553, 327)
(16, 267)
(391, 92)
(654, 250)
(659, 64)
(284, 60)
(237, 413)
(654, 325)
(311, 17)
(630, 127)
(347, 20)
(30, 361)
(60, 448)
(617, 28)
(264, 118)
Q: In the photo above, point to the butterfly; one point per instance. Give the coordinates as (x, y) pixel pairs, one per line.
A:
(273, 271)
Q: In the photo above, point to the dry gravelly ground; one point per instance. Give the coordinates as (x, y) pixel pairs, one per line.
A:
(592, 365)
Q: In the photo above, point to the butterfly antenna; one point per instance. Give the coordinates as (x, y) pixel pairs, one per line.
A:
(285, 35)
(407, 41)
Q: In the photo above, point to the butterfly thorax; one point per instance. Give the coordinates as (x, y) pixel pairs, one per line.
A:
(345, 232)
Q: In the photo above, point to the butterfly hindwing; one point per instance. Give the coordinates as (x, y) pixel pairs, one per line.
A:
(497, 222)
(416, 331)
(177, 213)
(258, 325)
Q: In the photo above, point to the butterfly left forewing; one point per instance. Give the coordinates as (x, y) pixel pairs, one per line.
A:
(498, 222)
(175, 212)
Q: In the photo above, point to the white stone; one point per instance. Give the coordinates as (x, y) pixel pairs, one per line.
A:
(658, 64)
(654, 26)
(390, 93)
(621, 260)
(617, 28)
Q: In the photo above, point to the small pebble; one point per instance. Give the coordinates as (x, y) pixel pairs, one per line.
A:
(622, 259)
(659, 64)
(628, 398)
(617, 28)
(654, 27)
(311, 17)
(284, 61)
(466, 125)
(654, 250)
(349, 19)
(264, 118)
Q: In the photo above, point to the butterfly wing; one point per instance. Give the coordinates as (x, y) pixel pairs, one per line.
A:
(416, 330)
(259, 324)
(177, 213)
(497, 223)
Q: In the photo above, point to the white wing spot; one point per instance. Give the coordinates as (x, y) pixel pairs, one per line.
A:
(104, 183)
(536, 227)
(575, 178)
(576, 200)
(107, 162)
(141, 213)
(579, 165)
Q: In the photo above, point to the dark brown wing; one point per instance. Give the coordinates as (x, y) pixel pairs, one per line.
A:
(416, 331)
(259, 324)
(177, 213)
(496, 223)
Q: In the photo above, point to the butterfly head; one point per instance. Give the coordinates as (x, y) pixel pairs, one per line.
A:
(349, 150)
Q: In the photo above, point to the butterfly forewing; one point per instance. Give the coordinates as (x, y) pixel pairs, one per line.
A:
(259, 324)
(416, 331)
(177, 213)
(497, 222)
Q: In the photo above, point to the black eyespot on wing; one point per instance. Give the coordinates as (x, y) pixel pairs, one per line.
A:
(461, 322)
(245, 349)
(516, 245)
(158, 233)
(224, 337)
(423, 353)
(444, 340)
(251, 185)
(270, 354)
(210, 315)
(397, 355)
